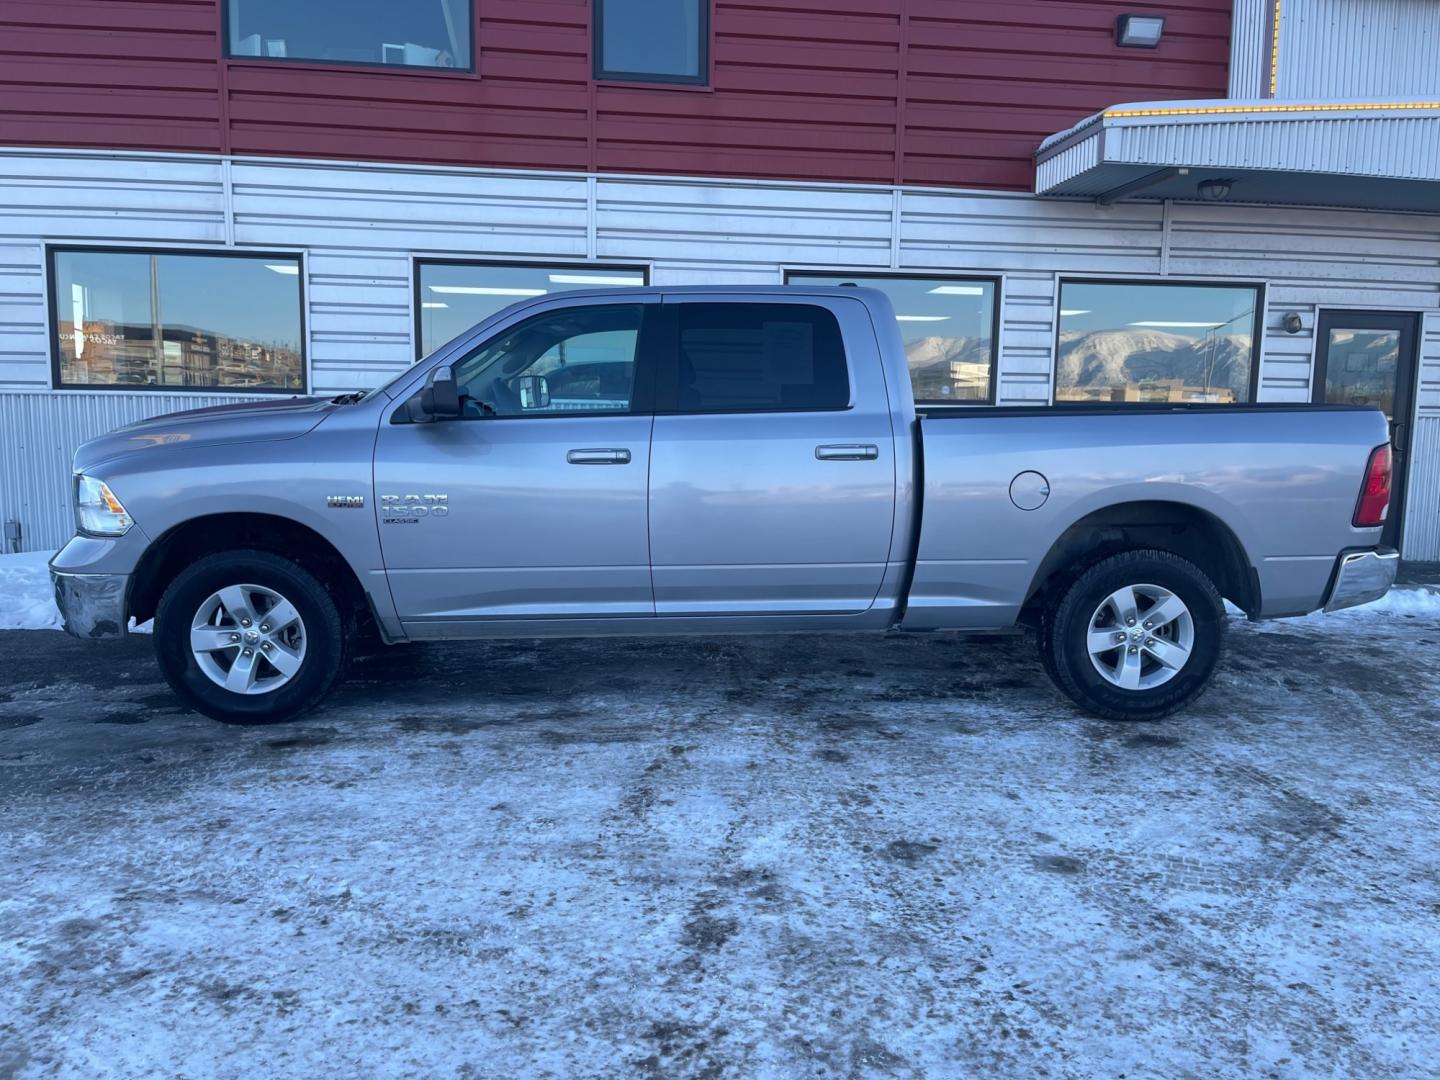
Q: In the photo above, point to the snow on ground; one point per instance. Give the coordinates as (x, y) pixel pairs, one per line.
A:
(1418, 600)
(860, 857)
(26, 600)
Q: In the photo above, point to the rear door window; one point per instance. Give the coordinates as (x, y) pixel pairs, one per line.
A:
(739, 357)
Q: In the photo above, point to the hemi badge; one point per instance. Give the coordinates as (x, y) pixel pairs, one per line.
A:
(345, 502)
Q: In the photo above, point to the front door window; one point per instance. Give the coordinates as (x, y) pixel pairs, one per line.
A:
(571, 360)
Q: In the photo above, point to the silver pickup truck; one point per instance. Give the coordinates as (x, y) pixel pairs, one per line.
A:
(711, 461)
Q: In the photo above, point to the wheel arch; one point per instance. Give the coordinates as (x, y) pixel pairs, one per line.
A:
(197, 537)
(1183, 529)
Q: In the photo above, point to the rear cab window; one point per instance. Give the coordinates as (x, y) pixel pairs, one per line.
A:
(741, 357)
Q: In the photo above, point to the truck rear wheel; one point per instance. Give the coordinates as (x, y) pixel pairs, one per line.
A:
(249, 637)
(1137, 636)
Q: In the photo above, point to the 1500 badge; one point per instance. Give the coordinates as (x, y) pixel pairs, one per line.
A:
(409, 509)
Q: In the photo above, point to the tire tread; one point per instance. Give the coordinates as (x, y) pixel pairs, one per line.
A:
(173, 653)
(1068, 606)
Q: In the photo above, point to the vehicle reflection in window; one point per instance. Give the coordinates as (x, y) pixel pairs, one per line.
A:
(580, 360)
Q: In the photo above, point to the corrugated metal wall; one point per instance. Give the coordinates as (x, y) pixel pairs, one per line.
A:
(1358, 49)
(1422, 516)
(41, 432)
(1398, 146)
(1250, 49)
(361, 226)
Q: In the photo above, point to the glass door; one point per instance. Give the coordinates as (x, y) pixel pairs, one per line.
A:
(1368, 358)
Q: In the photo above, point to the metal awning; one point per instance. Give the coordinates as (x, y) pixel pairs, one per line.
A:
(1378, 155)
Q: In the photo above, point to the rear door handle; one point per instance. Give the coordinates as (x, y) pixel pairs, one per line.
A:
(597, 456)
(848, 452)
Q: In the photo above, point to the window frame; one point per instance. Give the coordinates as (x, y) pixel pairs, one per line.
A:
(1256, 344)
(306, 388)
(995, 281)
(231, 57)
(665, 389)
(419, 262)
(641, 80)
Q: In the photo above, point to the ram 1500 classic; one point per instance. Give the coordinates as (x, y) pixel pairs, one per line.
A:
(711, 460)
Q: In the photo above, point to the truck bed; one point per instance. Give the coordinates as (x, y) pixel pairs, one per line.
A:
(1281, 480)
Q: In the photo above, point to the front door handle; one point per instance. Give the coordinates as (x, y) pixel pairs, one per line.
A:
(598, 456)
(848, 452)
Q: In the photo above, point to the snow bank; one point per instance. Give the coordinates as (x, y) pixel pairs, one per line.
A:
(26, 602)
(1403, 600)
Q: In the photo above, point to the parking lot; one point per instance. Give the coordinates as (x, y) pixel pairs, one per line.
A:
(768, 857)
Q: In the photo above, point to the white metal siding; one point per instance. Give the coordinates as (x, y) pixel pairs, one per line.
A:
(1027, 338)
(1429, 382)
(1422, 514)
(361, 226)
(1064, 167)
(41, 432)
(1250, 49)
(22, 315)
(1358, 48)
(1397, 145)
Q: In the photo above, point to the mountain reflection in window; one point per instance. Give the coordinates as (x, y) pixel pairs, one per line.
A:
(1149, 342)
(948, 327)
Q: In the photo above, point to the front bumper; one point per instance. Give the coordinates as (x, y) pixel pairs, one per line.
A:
(1362, 576)
(92, 605)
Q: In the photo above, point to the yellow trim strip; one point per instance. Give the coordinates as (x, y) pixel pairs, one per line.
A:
(1275, 49)
(1338, 106)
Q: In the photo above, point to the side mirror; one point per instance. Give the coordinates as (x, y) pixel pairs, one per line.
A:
(441, 397)
(534, 391)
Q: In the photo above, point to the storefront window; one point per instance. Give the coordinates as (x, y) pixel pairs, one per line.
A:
(455, 296)
(173, 320)
(948, 326)
(1124, 341)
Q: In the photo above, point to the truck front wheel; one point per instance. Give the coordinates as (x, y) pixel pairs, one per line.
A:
(1137, 636)
(249, 637)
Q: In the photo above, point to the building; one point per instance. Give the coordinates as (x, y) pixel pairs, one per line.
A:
(1069, 200)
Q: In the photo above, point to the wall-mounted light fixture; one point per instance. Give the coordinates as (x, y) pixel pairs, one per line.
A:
(1139, 31)
(1214, 190)
(1291, 322)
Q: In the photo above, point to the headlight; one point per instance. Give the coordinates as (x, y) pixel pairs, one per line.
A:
(97, 511)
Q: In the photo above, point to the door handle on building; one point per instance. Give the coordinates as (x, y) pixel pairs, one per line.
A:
(606, 456)
(848, 452)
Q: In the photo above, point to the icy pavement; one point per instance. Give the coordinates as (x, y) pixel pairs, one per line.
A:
(743, 858)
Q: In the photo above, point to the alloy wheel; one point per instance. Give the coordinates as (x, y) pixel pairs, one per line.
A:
(248, 639)
(1140, 637)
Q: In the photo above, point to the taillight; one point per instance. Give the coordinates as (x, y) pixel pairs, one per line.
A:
(1375, 495)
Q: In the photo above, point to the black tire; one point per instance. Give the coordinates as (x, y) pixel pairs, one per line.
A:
(1066, 624)
(327, 637)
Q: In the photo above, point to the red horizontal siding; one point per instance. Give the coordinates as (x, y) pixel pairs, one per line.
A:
(114, 73)
(949, 92)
